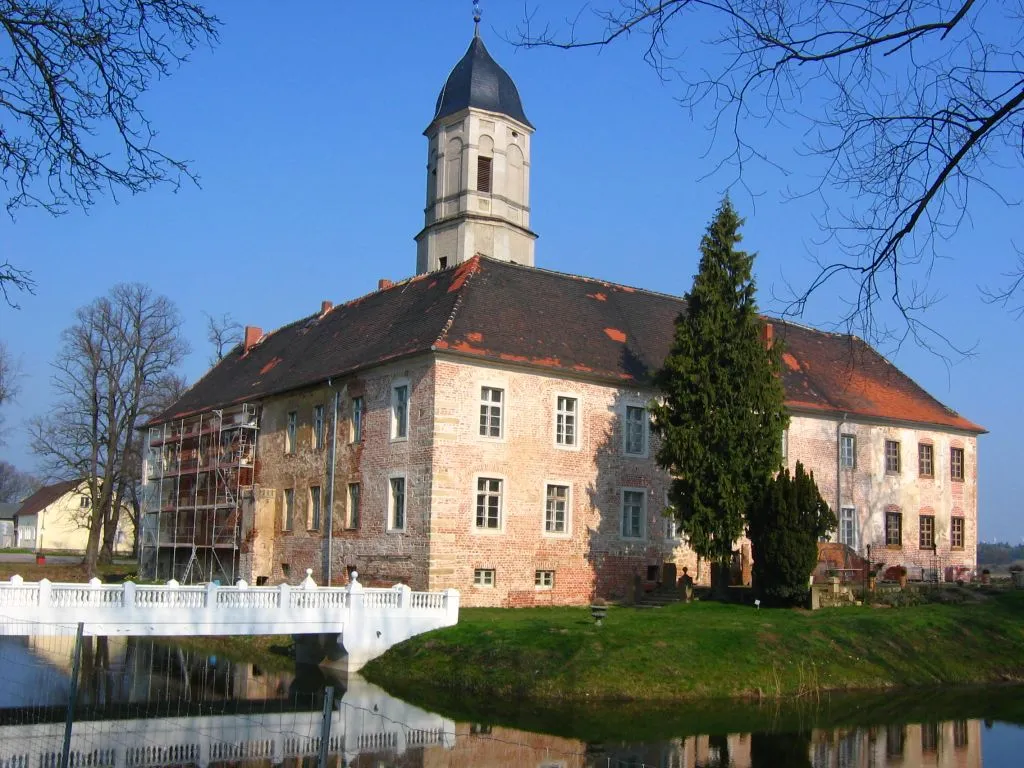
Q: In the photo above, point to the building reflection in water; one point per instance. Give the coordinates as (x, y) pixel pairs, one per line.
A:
(145, 705)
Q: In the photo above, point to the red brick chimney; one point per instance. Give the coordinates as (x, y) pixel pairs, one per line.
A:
(384, 283)
(326, 306)
(767, 334)
(252, 335)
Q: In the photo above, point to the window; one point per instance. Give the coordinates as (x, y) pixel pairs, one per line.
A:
(785, 444)
(490, 411)
(848, 451)
(488, 503)
(929, 737)
(318, 427)
(442, 262)
(956, 463)
(565, 421)
(289, 508)
(544, 579)
(400, 412)
(894, 529)
(926, 537)
(894, 738)
(483, 174)
(483, 577)
(397, 503)
(959, 734)
(290, 431)
(357, 419)
(671, 524)
(314, 508)
(636, 430)
(956, 532)
(892, 457)
(84, 502)
(633, 504)
(925, 462)
(555, 508)
(354, 497)
(848, 527)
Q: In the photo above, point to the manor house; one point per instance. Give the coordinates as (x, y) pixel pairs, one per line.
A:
(483, 424)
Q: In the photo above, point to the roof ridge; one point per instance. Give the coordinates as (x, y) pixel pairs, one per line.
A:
(470, 268)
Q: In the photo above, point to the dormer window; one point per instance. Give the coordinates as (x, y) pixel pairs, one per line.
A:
(483, 174)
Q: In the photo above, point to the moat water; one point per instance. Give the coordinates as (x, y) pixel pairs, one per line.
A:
(146, 704)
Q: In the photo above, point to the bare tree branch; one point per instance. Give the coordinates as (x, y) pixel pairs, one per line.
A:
(224, 333)
(904, 108)
(71, 74)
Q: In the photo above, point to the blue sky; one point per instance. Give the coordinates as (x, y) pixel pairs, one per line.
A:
(308, 141)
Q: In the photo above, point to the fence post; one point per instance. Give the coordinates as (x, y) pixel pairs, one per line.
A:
(325, 725)
(404, 596)
(44, 593)
(128, 595)
(72, 697)
(451, 607)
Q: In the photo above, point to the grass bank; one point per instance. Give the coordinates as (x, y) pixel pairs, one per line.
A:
(709, 650)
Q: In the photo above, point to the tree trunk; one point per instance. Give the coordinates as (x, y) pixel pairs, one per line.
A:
(92, 548)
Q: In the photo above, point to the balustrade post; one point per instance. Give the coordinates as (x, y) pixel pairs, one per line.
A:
(451, 606)
(286, 592)
(404, 596)
(94, 590)
(211, 596)
(128, 595)
(45, 593)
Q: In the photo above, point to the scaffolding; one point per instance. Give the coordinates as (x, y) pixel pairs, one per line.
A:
(198, 476)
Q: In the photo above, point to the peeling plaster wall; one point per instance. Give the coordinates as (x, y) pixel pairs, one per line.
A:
(379, 554)
(868, 488)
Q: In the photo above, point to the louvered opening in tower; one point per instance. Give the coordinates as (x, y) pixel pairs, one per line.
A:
(483, 174)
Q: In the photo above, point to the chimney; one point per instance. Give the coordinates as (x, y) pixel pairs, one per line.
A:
(252, 335)
(767, 334)
(384, 283)
(326, 306)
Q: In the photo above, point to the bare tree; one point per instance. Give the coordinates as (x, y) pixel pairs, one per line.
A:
(15, 485)
(906, 110)
(71, 74)
(10, 372)
(114, 361)
(224, 333)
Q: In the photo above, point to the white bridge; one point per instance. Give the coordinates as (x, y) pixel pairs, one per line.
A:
(366, 721)
(369, 621)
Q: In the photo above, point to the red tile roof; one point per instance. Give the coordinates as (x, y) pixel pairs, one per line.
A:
(508, 313)
(46, 496)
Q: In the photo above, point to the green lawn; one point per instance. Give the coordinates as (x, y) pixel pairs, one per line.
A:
(710, 650)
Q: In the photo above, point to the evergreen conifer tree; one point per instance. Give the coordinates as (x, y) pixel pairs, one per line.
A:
(721, 416)
(784, 528)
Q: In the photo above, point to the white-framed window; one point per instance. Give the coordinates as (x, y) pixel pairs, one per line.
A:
(491, 401)
(26, 534)
(848, 451)
(84, 502)
(315, 509)
(636, 430)
(848, 527)
(785, 444)
(400, 411)
(566, 421)
(355, 494)
(291, 430)
(556, 508)
(483, 577)
(634, 513)
(672, 531)
(289, 509)
(318, 427)
(544, 579)
(357, 420)
(489, 491)
(396, 503)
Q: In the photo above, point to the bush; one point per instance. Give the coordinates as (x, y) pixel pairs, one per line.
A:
(784, 527)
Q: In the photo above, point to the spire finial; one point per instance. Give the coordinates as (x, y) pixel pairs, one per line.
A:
(476, 18)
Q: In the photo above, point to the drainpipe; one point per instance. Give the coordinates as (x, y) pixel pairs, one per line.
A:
(330, 486)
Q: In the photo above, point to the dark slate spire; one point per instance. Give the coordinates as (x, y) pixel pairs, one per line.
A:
(478, 81)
